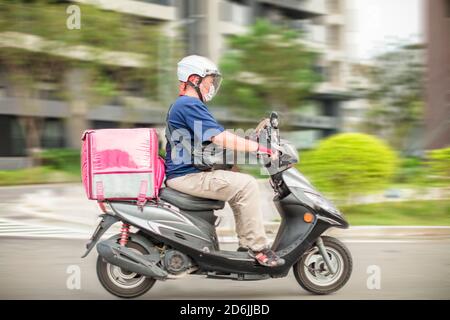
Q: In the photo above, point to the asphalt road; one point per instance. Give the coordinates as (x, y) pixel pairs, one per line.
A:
(36, 268)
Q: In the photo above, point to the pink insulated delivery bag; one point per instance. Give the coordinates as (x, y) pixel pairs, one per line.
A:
(121, 164)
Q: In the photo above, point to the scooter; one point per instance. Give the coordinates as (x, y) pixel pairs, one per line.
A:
(176, 236)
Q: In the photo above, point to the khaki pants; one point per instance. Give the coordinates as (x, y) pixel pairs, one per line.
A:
(242, 193)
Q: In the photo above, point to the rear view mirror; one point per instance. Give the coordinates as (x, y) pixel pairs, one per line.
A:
(274, 120)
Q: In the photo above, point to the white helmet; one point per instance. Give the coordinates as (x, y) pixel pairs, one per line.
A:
(202, 67)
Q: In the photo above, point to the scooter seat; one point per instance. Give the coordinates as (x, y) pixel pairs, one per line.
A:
(187, 202)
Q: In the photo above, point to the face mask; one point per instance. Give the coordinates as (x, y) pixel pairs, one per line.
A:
(211, 93)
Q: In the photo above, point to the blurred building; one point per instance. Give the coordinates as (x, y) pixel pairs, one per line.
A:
(437, 117)
(62, 121)
(353, 112)
(205, 25)
(325, 30)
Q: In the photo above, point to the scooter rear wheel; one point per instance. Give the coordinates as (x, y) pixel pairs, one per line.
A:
(312, 273)
(123, 283)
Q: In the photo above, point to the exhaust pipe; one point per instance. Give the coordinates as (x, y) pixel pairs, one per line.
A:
(127, 259)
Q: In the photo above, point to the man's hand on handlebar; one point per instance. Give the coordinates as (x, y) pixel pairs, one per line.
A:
(271, 154)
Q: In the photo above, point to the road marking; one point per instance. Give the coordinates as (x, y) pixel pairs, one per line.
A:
(15, 228)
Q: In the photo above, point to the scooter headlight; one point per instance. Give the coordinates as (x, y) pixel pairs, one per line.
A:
(322, 203)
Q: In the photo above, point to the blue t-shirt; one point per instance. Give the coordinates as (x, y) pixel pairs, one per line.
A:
(189, 119)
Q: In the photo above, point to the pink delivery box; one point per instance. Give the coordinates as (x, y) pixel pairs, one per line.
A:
(121, 164)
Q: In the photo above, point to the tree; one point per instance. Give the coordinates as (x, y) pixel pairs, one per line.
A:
(95, 80)
(265, 68)
(396, 95)
(26, 70)
(350, 163)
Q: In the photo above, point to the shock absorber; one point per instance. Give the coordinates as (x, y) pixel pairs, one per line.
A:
(124, 234)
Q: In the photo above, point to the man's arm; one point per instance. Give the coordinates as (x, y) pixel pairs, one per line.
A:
(232, 141)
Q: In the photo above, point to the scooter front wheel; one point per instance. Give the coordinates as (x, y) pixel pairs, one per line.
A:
(123, 283)
(313, 274)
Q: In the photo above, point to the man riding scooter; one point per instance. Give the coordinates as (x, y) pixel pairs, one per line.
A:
(199, 82)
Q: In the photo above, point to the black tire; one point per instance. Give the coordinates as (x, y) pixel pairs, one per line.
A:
(112, 287)
(344, 270)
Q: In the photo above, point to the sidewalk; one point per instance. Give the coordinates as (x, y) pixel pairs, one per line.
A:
(365, 233)
(65, 207)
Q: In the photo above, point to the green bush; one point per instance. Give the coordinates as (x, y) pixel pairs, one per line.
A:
(350, 163)
(56, 165)
(61, 159)
(439, 166)
(36, 175)
(411, 171)
(408, 213)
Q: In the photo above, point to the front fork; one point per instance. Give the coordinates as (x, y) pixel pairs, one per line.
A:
(323, 252)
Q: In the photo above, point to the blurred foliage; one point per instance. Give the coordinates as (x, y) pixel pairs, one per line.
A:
(411, 171)
(162, 152)
(61, 159)
(407, 213)
(98, 80)
(101, 30)
(36, 175)
(396, 95)
(431, 170)
(349, 164)
(439, 166)
(266, 68)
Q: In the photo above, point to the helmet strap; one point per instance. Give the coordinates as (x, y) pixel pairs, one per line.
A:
(197, 88)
